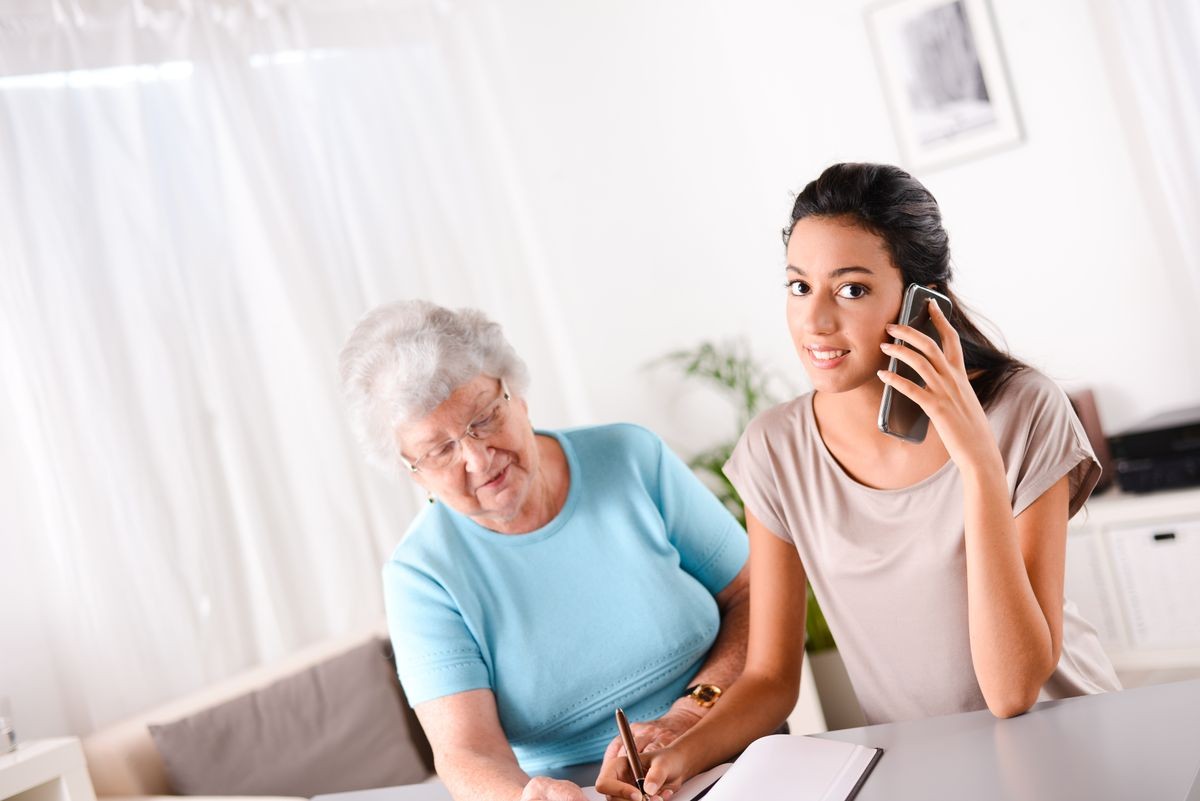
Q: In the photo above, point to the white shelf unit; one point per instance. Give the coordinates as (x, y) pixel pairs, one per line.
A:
(1133, 568)
(46, 770)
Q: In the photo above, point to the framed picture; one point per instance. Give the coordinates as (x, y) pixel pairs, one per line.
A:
(944, 78)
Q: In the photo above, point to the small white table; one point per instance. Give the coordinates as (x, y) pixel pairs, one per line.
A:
(46, 770)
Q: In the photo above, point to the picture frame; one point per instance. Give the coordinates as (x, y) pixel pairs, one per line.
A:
(944, 79)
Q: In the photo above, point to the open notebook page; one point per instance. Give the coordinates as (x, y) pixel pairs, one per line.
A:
(796, 768)
(690, 789)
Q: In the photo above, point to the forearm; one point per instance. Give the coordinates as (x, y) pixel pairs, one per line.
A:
(1011, 644)
(474, 776)
(727, 656)
(753, 707)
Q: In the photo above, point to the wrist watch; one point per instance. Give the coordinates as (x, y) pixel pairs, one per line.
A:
(704, 695)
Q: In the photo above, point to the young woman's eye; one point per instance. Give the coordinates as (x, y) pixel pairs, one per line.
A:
(852, 291)
(797, 288)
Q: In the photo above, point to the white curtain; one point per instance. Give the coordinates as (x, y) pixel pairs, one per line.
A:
(197, 201)
(1156, 50)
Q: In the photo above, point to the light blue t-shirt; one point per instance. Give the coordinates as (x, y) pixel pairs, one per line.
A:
(608, 605)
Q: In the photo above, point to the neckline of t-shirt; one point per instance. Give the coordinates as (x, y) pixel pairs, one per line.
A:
(811, 424)
(556, 523)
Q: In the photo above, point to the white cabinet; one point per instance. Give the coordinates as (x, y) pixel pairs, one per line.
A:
(46, 770)
(1133, 567)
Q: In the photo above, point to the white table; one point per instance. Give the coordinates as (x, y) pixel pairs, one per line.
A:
(1127, 746)
(46, 770)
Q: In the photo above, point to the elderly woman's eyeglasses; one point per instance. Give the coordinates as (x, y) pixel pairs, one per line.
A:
(488, 422)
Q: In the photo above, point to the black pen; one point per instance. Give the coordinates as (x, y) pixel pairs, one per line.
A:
(635, 762)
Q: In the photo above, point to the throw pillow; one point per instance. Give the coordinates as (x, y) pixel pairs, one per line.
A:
(337, 726)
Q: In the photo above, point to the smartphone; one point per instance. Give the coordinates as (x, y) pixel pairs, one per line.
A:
(899, 415)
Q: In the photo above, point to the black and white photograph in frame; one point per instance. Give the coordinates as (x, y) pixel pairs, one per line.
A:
(943, 75)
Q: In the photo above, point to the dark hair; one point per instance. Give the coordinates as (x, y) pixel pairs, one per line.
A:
(894, 206)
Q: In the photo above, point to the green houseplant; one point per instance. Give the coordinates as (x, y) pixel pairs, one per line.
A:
(732, 370)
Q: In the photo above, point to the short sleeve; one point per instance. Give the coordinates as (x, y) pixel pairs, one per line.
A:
(712, 546)
(436, 655)
(749, 470)
(1043, 441)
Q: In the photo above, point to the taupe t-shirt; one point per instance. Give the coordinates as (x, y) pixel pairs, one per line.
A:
(889, 566)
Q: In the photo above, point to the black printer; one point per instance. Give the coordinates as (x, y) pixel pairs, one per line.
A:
(1161, 453)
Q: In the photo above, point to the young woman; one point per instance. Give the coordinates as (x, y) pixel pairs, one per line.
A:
(939, 565)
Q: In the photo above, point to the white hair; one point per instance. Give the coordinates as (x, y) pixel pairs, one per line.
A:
(404, 358)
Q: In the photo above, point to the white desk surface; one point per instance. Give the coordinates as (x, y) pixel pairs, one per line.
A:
(1136, 744)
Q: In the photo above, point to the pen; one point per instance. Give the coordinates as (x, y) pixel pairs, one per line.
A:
(635, 762)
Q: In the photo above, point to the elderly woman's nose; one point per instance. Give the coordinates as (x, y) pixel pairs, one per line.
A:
(476, 454)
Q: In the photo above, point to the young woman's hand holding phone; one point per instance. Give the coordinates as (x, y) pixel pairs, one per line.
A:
(947, 396)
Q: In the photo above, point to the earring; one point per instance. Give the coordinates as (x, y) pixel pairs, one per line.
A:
(429, 497)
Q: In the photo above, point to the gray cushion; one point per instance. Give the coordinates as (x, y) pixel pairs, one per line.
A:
(337, 726)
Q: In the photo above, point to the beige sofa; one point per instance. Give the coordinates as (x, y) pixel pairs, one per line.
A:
(124, 761)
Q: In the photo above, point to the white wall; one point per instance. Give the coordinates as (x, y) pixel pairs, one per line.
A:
(659, 146)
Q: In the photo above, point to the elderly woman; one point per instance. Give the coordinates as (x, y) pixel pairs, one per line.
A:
(555, 575)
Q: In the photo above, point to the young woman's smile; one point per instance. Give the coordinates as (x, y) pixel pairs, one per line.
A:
(824, 357)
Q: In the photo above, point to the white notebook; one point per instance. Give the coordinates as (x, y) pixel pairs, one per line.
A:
(784, 766)
(692, 788)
